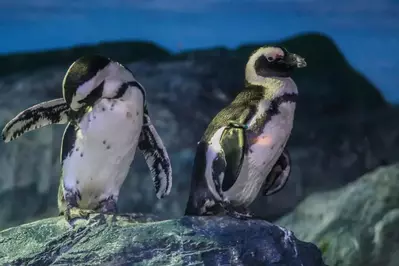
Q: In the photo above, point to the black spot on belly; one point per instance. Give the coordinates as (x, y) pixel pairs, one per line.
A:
(104, 142)
(103, 108)
(77, 182)
(81, 154)
(77, 149)
(137, 113)
(108, 147)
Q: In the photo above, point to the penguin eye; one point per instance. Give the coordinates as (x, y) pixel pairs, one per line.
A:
(270, 59)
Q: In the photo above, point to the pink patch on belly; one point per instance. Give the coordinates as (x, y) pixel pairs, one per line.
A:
(263, 140)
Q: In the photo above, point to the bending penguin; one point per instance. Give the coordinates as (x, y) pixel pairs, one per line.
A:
(106, 114)
(242, 152)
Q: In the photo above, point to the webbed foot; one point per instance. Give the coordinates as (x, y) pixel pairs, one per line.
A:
(239, 212)
(73, 214)
(108, 206)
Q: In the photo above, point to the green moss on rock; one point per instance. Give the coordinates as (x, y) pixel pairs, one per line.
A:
(120, 240)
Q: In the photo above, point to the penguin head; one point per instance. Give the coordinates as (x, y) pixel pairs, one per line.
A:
(272, 61)
(91, 77)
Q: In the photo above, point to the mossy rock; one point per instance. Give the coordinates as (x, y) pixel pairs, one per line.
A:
(123, 240)
(353, 225)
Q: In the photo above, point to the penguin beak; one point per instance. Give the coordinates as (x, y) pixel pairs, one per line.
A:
(295, 60)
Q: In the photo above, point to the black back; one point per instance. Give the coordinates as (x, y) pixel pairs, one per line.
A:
(240, 110)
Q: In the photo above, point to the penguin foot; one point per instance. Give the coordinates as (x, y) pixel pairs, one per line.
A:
(239, 212)
(239, 215)
(73, 214)
(108, 206)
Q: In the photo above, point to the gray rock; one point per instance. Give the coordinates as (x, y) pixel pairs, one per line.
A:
(353, 225)
(121, 240)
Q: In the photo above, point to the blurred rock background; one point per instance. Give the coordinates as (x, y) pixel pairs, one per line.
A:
(343, 128)
(342, 193)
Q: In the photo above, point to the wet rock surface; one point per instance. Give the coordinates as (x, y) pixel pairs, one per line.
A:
(353, 225)
(117, 240)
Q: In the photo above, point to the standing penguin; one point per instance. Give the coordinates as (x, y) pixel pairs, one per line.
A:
(242, 152)
(107, 116)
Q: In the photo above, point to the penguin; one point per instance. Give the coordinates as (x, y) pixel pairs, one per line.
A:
(107, 118)
(242, 152)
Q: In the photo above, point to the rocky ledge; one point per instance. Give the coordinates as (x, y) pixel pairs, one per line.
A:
(356, 224)
(123, 240)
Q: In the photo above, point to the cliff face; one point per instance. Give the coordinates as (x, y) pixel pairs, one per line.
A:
(353, 225)
(343, 129)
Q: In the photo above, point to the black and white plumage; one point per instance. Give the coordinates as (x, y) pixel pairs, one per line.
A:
(242, 152)
(107, 116)
(37, 116)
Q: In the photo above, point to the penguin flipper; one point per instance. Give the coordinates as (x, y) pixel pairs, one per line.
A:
(37, 116)
(234, 145)
(68, 141)
(156, 156)
(278, 176)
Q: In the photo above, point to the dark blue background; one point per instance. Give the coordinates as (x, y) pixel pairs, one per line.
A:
(367, 31)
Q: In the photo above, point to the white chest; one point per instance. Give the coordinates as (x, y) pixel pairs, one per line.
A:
(264, 151)
(104, 149)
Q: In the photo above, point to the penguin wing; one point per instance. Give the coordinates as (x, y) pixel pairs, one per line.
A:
(278, 176)
(68, 141)
(156, 156)
(234, 145)
(37, 116)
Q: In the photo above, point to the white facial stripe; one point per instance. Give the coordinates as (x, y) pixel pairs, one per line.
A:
(273, 52)
(111, 87)
(250, 74)
(114, 74)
